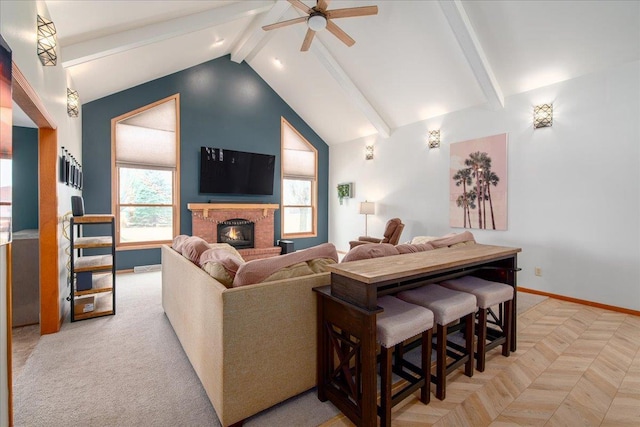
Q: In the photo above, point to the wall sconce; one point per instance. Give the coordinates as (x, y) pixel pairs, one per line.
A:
(73, 103)
(47, 42)
(366, 209)
(434, 138)
(542, 116)
(369, 152)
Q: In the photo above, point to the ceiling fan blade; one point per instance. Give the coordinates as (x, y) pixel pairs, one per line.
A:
(337, 31)
(322, 4)
(284, 23)
(303, 7)
(352, 11)
(307, 40)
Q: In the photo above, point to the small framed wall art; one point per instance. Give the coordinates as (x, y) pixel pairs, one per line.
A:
(345, 191)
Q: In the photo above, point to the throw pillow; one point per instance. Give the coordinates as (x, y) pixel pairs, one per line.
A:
(218, 272)
(453, 239)
(227, 247)
(193, 247)
(257, 270)
(319, 265)
(368, 251)
(221, 264)
(295, 270)
(408, 248)
(178, 242)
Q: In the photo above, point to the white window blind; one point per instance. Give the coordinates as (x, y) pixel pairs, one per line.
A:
(298, 158)
(141, 146)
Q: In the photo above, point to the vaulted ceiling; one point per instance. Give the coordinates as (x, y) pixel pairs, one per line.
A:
(412, 61)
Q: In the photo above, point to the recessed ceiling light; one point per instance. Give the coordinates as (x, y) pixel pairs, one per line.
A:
(278, 63)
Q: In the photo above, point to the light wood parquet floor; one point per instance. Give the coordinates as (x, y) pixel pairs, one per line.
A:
(576, 365)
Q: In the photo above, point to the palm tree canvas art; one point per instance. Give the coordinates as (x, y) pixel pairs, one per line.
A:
(478, 183)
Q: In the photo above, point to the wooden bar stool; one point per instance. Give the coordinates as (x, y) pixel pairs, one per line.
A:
(398, 322)
(488, 294)
(448, 306)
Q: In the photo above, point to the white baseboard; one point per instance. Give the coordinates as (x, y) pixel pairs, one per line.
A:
(146, 268)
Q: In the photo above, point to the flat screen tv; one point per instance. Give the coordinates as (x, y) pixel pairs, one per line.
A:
(235, 172)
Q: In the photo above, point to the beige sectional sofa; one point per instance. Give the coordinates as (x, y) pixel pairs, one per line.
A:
(251, 346)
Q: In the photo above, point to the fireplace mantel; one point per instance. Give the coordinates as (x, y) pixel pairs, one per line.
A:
(206, 207)
(206, 216)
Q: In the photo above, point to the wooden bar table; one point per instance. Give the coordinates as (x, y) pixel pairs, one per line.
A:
(346, 367)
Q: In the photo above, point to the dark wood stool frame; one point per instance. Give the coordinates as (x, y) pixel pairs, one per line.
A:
(417, 377)
(461, 355)
(503, 321)
(347, 316)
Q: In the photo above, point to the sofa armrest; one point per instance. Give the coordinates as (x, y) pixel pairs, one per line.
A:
(367, 239)
(363, 240)
(192, 301)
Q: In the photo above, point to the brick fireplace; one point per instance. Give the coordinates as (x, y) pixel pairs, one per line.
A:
(205, 218)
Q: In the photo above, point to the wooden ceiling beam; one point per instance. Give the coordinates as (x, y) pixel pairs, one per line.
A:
(472, 49)
(120, 42)
(254, 38)
(353, 93)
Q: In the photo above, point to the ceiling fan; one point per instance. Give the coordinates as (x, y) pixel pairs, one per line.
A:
(320, 18)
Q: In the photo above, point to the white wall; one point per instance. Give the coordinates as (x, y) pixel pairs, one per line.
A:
(573, 190)
(18, 27)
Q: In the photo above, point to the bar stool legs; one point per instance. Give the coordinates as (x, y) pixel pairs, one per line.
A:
(398, 322)
(448, 306)
(441, 354)
(488, 294)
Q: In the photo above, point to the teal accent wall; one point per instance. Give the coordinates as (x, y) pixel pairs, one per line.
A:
(25, 178)
(222, 104)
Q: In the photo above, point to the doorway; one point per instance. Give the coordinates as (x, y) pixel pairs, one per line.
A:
(25, 277)
(50, 319)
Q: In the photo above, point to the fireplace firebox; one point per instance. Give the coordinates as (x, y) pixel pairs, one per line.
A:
(237, 232)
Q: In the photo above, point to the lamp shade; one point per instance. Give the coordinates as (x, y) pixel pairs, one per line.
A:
(367, 208)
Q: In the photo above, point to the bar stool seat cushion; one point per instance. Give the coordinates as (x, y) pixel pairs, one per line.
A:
(447, 305)
(487, 293)
(400, 321)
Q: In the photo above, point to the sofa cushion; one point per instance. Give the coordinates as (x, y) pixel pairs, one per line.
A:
(178, 242)
(193, 247)
(370, 251)
(257, 270)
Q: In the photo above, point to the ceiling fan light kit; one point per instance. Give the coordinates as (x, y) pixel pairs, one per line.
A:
(320, 18)
(317, 21)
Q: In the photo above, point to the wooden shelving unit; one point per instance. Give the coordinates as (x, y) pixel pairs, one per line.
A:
(102, 294)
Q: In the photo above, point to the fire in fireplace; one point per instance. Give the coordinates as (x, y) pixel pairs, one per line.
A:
(237, 232)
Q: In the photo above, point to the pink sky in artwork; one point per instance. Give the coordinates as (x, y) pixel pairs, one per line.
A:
(496, 148)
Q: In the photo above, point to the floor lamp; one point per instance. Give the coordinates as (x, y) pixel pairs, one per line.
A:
(366, 209)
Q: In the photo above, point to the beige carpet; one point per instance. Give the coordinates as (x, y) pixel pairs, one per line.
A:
(129, 370)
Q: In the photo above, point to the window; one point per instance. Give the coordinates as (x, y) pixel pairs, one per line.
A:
(299, 184)
(146, 191)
